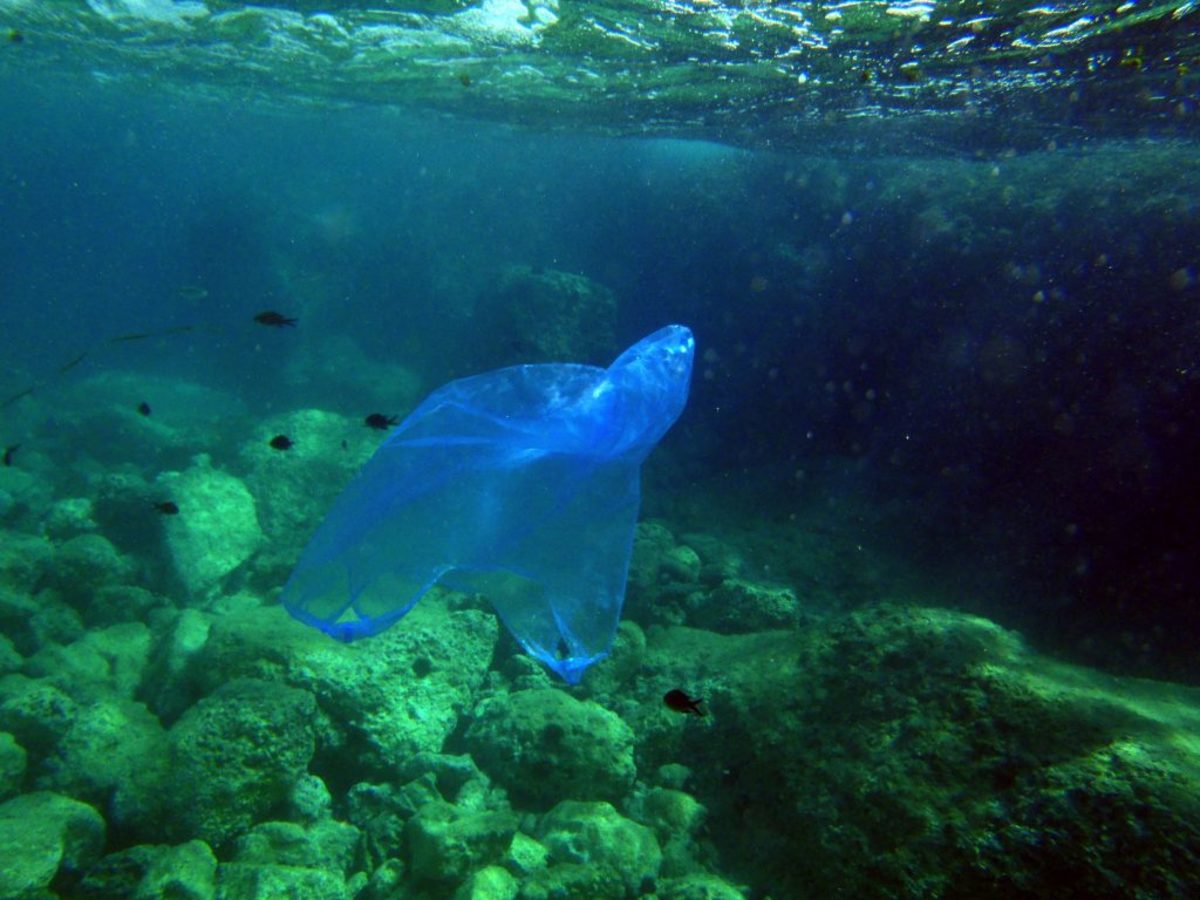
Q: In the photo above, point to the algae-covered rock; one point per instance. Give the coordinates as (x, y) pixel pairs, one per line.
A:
(575, 881)
(178, 638)
(84, 563)
(233, 756)
(31, 621)
(543, 745)
(388, 698)
(37, 713)
(489, 883)
(250, 881)
(526, 855)
(109, 744)
(326, 844)
(12, 765)
(109, 660)
(447, 844)
(698, 886)
(217, 527)
(23, 559)
(147, 871)
(548, 316)
(969, 763)
(738, 606)
(595, 834)
(295, 487)
(44, 836)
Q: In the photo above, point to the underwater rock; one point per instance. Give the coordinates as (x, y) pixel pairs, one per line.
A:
(380, 812)
(526, 855)
(68, 518)
(596, 835)
(116, 603)
(543, 745)
(680, 564)
(23, 497)
(248, 881)
(12, 765)
(83, 564)
(104, 753)
(294, 489)
(489, 883)
(10, 660)
(44, 836)
(544, 315)
(310, 800)
(652, 541)
(326, 844)
(388, 697)
(671, 812)
(676, 818)
(447, 844)
(738, 606)
(576, 881)
(35, 712)
(216, 530)
(154, 870)
(454, 774)
(698, 886)
(23, 559)
(107, 660)
(233, 756)
(972, 762)
(178, 637)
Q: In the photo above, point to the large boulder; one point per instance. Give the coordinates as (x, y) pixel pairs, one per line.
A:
(44, 836)
(216, 529)
(387, 699)
(543, 745)
(232, 758)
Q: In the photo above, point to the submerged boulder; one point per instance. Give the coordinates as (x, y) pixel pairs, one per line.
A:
(543, 745)
(216, 529)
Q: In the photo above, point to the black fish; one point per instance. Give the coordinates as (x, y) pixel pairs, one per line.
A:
(143, 408)
(274, 319)
(166, 508)
(682, 703)
(9, 452)
(282, 442)
(380, 421)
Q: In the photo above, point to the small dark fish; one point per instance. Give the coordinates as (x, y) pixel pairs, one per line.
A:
(143, 408)
(282, 442)
(380, 421)
(67, 367)
(15, 37)
(9, 452)
(464, 79)
(682, 703)
(345, 446)
(134, 336)
(166, 508)
(274, 319)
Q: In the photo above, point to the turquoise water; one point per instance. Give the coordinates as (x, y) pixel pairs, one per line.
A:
(911, 604)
